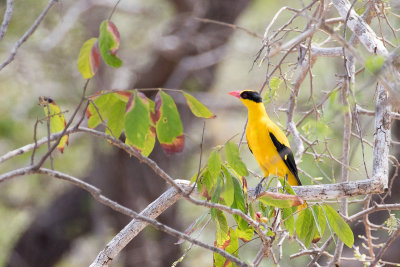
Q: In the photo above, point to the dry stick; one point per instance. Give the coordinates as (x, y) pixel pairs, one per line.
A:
(35, 141)
(113, 10)
(27, 34)
(375, 208)
(292, 104)
(308, 113)
(191, 245)
(382, 119)
(348, 85)
(233, 26)
(321, 251)
(154, 209)
(361, 139)
(305, 68)
(310, 192)
(48, 137)
(387, 244)
(160, 172)
(6, 18)
(393, 115)
(368, 228)
(201, 156)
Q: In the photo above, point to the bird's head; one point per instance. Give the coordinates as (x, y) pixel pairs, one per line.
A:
(248, 97)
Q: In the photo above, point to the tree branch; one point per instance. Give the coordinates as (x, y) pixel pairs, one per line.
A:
(154, 209)
(387, 244)
(27, 34)
(6, 18)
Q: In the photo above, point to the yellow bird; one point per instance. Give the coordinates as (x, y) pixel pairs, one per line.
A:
(266, 140)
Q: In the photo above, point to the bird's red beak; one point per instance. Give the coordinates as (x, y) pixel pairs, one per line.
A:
(235, 93)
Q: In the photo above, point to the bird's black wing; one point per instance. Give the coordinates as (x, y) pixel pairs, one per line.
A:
(248, 144)
(287, 156)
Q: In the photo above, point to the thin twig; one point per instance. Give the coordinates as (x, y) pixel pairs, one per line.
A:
(113, 10)
(385, 247)
(201, 156)
(35, 142)
(96, 193)
(48, 136)
(27, 34)
(6, 18)
(233, 26)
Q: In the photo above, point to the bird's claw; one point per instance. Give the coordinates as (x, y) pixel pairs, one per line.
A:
(259, 187)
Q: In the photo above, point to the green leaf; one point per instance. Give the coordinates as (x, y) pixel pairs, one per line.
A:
(116, 118)
(56, 119)
(288, 220)
(316, 129)
(245, 235)
(197, 108)
(229, 187)
(168, 124)
(319, 219)
(139, 132)
(222, 227)
(274, 84)
(99, 105)
(215, 197)
(109, 43)
(374, 63)
(214, 164)
(286, 186)
(234, 160)
(231, 245)
(239, 203)
(305, 226)
(89, 58)
(209, 181)
(279, 200)
(339, 226)
(111, 109)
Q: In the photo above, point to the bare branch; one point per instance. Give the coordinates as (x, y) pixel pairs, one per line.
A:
(384, 248)
(310, 192)
(27, 34)
(154, 210)
(233, 26)
(6, 18)
(374, 208)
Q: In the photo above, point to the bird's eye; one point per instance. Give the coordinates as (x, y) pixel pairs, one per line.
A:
(244, 95)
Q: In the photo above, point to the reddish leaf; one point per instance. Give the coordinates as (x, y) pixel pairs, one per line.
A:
(168, 124)
(89, 58)
(140, 133)
(109, 43)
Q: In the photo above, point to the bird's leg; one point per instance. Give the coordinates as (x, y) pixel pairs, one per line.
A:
(259, 186)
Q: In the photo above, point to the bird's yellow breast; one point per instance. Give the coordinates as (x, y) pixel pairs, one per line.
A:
(263, 149)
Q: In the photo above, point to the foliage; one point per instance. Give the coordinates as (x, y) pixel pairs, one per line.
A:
(141, 120)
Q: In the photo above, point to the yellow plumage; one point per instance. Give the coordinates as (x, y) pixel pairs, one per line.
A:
(266, 140)
(259, 127)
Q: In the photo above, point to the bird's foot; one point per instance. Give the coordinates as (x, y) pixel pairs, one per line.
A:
(259, 187)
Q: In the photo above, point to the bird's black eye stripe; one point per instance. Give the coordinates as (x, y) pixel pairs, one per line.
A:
(251, 95)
